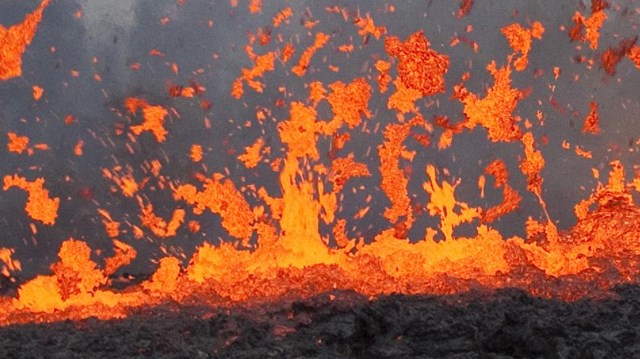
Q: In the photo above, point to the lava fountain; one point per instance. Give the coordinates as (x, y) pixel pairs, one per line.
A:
(277, 154)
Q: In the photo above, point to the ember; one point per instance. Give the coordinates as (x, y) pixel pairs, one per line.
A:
(370, 163)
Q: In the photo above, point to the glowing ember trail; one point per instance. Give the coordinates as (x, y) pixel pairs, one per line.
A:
(322, 179)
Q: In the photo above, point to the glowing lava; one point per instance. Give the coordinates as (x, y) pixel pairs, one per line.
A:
(275, 244)
(14, 41)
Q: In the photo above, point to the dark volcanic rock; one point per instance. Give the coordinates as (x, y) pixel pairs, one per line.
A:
(506, 324)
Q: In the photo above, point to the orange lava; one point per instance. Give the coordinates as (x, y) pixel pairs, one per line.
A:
(125, 181)
(383, 78)
(349, 101)
(367, 27)
(443, 203)
(282, 16)
(220, 197)
(9, 265)
(261, 65)
(287, 52)
(592, 120)
(394, 182)
(344, 168)
(305, 59)
(634, 55)
(37, 92)
(277, 245)
(532, 164)
(494, 112)
(196, 153)
(510, 197)
(253, 154)
(607, 228)
(465, 8)
(591, 25)
(583, 153)
(520, 41)
(404, 98)
(14, 41)
(159, 226)
(255, 6)
(613, 55)
(77, 149)
(153, 118)
(39, 205)
(112, 228)
(420, 68)
(123, 255)
(17, 144)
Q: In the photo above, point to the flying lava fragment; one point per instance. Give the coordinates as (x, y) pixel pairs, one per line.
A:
(153, 118)
(39, 205)
(14, 41)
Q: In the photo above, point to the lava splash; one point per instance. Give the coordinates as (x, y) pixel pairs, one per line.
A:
(366, 179)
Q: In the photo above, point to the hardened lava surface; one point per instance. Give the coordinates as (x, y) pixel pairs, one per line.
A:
(508, 323)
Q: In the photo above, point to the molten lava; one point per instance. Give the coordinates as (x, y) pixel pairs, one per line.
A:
(14, 41)
(274, 243)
